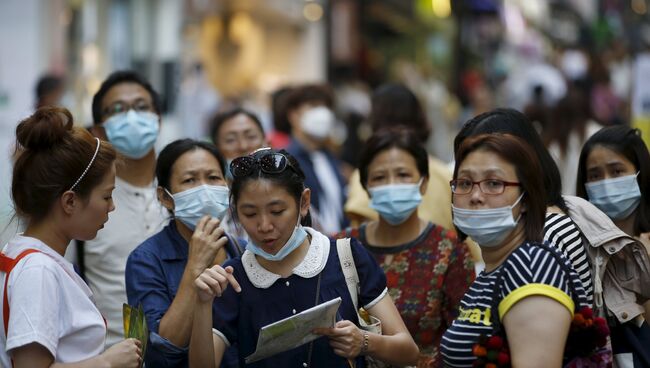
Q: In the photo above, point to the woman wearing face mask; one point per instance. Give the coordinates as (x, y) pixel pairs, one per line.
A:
(62, 185)
(288, 268)
(527, 290)
(614, 175)
(560, 227)
(427, 268)
(160, 272)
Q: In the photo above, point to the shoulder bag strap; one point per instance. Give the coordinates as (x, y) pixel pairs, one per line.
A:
(6, 265)
(344, 249)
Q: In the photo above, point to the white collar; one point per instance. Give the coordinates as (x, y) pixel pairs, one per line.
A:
(313, 263)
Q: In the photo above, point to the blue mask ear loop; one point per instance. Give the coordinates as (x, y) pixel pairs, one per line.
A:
(172, 197)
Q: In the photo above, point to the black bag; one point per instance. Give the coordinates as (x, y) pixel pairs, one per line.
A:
(631, 344)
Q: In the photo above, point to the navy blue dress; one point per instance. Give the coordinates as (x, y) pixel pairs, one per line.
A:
(240, 316)
(153, 274)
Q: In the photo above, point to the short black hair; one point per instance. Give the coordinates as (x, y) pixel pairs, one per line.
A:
(170, 154)
(402, 138)
(222, 117)
(393, 104)
(122, 76)
(627, 142)
(511, 121)
(48, 84)
(292, 179)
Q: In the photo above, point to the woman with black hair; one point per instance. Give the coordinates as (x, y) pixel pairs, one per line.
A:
(614, 175)
(428, 269)
(287, 268)
(160, 271)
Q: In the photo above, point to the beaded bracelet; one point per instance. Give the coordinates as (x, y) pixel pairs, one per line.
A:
(364, 345)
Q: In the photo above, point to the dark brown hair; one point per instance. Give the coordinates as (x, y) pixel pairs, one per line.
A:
(395, 105)
(387, 138)
(52, 155)
(529, 173)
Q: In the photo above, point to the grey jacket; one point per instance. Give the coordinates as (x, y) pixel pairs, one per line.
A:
(620, 263)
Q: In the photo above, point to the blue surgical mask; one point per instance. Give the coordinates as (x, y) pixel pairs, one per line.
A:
(617, 197)
(132, 133)
(488, 227)
(395, 202)
(297, 237)
(192, 204)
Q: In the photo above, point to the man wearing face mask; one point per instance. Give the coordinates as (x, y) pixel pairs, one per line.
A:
(309, 111)
(126, 112)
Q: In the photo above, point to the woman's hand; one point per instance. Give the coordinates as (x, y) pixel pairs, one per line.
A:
(127, 354)
(345, 338)
(213, 282)
(206, 241)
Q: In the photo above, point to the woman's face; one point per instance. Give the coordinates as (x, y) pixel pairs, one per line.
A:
(269, 213)
(194, 168)
(393, 166)
(239, 136)
(92, 216)
(604, 163)
(481, 165)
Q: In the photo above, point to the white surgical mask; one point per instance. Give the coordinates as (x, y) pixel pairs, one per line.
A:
(488, 227)
(317, 122)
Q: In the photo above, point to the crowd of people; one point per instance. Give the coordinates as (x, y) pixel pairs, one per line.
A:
(488, 264)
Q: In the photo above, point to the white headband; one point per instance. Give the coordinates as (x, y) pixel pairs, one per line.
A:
(87, 167)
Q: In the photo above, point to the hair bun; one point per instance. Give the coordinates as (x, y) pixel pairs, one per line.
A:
(45, 128)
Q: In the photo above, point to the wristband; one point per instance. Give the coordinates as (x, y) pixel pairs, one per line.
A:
(364, 344)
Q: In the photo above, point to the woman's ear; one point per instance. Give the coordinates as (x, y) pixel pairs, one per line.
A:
(165, 199)
(69, 201)
(424, 185)
(305, 202)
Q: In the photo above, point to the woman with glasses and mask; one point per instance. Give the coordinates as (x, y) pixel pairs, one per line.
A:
(427, 268)
(528, 290)
(161, 271)
(614, 175)
(287, 268)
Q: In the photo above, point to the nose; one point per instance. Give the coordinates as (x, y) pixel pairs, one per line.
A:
(244, 146)
(265, 225)
(111, 208)
(476, 195)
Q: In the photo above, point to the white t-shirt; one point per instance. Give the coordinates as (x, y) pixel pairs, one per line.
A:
(330, 207)
(137, 216)
(49, 304)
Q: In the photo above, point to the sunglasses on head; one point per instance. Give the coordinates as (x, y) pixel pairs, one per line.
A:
(268, 162)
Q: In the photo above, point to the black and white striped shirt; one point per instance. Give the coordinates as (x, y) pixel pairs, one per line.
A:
(530, 270)
(560, 231)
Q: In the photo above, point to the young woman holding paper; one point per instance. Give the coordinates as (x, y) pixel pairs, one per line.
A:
(288, 268)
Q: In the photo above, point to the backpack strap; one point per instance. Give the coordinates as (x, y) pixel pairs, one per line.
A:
(6, 265)
(344, 250)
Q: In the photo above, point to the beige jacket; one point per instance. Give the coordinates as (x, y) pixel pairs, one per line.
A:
(620, 263)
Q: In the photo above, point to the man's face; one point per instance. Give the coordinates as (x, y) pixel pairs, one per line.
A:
(121, 98)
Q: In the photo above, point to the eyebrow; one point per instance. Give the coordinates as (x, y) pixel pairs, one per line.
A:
(492, 170)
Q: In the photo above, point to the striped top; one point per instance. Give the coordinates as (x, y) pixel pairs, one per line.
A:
(529, 270)
(561, 232)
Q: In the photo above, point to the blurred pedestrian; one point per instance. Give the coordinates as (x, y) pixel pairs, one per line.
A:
(311, 116)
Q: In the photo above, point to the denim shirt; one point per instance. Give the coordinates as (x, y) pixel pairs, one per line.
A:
(153, 274)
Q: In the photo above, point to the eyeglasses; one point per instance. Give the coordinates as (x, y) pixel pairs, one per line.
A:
(487, 186)
(269, 162)
(118, 107)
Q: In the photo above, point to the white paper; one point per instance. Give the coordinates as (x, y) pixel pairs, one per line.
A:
(294, 331)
